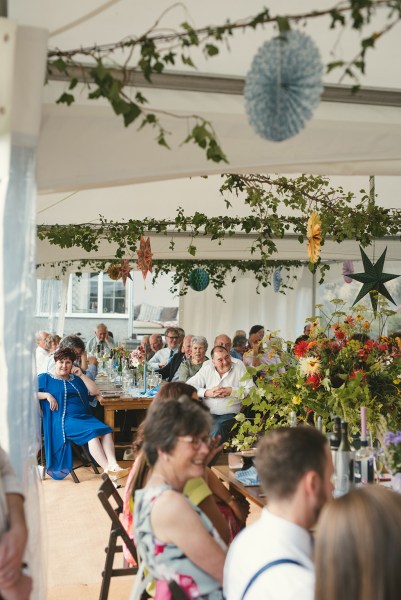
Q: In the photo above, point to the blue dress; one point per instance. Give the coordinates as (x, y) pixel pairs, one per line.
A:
(72, 422)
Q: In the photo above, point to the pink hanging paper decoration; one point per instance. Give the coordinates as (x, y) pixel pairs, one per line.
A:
(144, 256)
(348, 269)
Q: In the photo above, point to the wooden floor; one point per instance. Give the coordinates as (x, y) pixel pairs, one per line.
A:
(77, 530)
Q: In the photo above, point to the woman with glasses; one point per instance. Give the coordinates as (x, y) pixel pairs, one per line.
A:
(175, 539)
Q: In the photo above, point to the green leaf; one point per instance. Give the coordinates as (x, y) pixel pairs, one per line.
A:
(60, 65)
(66, 99)
(334, 65)
(211, 50)
(283, 24)
(131, 114)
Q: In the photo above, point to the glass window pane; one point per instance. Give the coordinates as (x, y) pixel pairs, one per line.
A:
(84, 293)
(114, 296)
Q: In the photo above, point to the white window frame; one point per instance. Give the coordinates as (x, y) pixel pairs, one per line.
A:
(99, 314)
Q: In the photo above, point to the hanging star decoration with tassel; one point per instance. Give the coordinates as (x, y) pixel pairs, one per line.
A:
(144, 256)
(314, 237)
(373, 280)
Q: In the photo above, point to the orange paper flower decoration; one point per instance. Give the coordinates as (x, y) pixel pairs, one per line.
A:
(314, 235)
(121, 271)
(125, 269)
(144, 256)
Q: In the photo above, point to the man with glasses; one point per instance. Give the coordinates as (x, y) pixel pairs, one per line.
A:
(163, 356)
(272, 558)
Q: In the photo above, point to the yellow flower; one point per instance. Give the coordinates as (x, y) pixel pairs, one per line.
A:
(358, 318)
(296, 400)
(396, 381)
(366, 325)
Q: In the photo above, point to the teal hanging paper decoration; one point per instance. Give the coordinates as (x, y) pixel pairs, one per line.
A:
(283, 86)
(373, 280)
(198, 280)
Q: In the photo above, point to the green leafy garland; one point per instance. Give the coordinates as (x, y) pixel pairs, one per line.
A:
(278, 206)
(154, 51)
(220, 271)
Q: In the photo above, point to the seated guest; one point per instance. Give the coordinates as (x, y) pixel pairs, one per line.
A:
(197, 356)
(176, 541)
(358, 546)
(163, 356)
(67, 418)
(14, 585)
(295, 468)
(155, 342)
(88, 364)
(52, 343)
(144, 347)
(101, 341)
(226, 512)
(239, 347)
(265, 352)
(42, 352)
(218, 384)
(170, 371)
(256, 335)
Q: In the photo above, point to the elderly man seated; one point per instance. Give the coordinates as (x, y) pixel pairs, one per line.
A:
(218, 383)
(163, 356)
(101, 341)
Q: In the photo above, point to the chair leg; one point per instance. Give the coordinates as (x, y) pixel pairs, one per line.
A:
(73, 475)
(89, 459)
(108, 567)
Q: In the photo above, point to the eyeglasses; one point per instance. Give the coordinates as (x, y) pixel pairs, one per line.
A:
(195, 440)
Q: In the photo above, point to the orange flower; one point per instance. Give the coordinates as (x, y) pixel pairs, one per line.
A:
(366, 325)
(314, 236)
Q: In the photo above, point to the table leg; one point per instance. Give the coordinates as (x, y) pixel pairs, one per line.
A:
(109, 418)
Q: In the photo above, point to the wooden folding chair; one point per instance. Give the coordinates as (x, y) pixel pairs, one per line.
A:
(105, 493)
(86, 461)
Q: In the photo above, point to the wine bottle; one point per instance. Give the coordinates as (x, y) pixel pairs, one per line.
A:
(364, 460)
(335, 436)
(344, 463)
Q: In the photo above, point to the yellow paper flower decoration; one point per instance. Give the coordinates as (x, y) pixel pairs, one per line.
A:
(114, 272)
(314, 236)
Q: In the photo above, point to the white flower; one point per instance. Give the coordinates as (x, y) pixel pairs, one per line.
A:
(309, 365)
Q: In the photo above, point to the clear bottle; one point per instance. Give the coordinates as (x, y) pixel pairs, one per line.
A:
(364, 472)
(344, 465)
(293, 419)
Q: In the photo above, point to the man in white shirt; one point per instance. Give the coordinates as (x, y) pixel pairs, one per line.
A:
(218, 383)
(101, 340)
(42, 352)
(272, 558)
(163, 356)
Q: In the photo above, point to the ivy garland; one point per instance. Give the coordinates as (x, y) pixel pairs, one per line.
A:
(278, 206)
(154, 51)
(218, 270)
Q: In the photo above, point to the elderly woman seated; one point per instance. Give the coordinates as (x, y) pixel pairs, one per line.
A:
(176, 541)
(67, 418)
(189, 367)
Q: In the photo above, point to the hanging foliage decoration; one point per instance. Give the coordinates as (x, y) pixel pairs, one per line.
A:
(283, 86)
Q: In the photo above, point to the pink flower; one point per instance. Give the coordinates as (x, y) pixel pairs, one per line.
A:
(159, 548)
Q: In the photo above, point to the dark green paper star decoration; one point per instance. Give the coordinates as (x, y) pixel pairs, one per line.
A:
(373, 280)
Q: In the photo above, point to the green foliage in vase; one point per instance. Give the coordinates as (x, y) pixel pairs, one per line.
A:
(338, 369)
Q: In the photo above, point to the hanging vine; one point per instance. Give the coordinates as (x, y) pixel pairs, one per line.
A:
(155, 50)
(278, 206)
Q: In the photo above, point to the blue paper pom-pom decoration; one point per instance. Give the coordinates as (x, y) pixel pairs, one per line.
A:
(283, 86)
(198, 280)
(277, 279)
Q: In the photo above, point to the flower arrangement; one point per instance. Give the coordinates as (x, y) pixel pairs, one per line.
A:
(334, 371)
(137, 358)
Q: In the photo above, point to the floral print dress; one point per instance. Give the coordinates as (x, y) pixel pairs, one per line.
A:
(166, 562)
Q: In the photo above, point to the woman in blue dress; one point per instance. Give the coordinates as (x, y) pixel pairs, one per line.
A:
(67, 418)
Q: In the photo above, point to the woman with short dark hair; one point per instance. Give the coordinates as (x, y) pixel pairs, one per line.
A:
(67, 418)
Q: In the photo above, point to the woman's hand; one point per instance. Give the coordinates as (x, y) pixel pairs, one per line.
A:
(76, 371)
(240, 508)
(52, 401)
